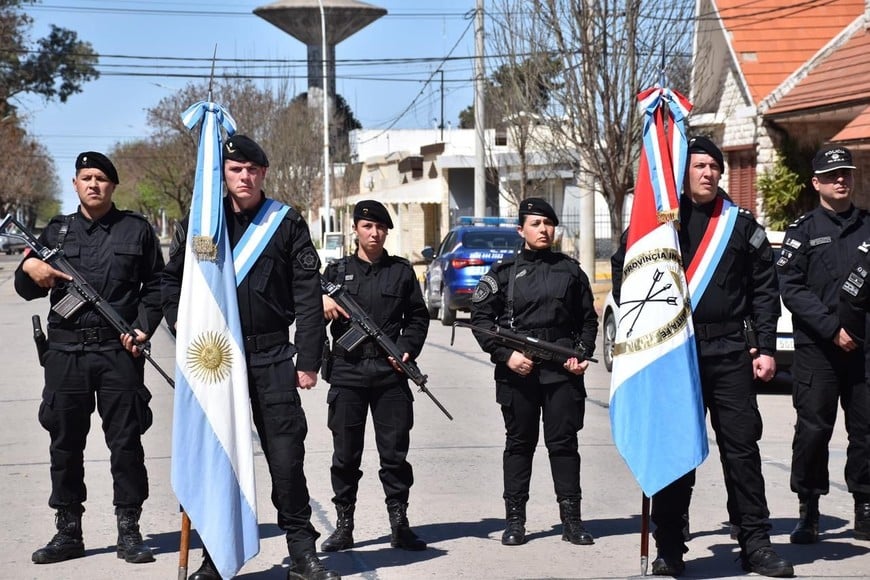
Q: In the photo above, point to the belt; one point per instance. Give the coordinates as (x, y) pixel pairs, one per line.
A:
(90, 335)
(548, 334)
(717, 329)
(261, 342)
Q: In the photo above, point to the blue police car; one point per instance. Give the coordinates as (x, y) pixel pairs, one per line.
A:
(464, 255)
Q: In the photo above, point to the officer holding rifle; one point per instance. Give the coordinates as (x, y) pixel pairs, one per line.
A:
(88, 363)
(542, 294)
(363, 378)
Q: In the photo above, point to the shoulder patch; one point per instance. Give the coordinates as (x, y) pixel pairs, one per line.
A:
(758, 237)
(293, 215)
(486, 286)
(308, 259)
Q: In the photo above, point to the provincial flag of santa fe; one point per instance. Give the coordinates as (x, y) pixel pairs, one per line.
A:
(212, 442)
(656, 406)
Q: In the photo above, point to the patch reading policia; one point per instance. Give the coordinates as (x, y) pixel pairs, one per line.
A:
(242, 148)
(832, 157)
(486, 286)
(374, 211)
(95, 160)
(537, 206)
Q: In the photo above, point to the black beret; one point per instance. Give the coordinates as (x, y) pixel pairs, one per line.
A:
(95, 160)
(831, 157)
(369, 209)
(244, 149)
(537, 206)
(702, 144)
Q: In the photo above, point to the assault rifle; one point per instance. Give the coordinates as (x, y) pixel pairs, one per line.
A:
(533, 348)
(79, 290)
(363, 327)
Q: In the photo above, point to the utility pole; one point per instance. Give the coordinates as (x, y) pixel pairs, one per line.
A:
(441, 125)
(479, 123)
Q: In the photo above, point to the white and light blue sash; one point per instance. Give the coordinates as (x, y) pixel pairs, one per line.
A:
(711, 249)
(255, 238)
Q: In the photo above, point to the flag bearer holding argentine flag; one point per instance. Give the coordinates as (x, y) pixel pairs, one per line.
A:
(276, 282)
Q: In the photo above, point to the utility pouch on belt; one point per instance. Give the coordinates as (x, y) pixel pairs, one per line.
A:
(326, 366)
(40, 339)
(749, 332)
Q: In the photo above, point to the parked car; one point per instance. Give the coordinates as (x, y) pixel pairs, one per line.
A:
(10, 245)
(464, 255)
(784, 336)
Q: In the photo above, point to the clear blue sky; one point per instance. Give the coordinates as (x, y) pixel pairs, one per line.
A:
(113, 108)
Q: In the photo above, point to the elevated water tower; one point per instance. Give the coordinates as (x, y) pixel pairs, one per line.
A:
(301, 20)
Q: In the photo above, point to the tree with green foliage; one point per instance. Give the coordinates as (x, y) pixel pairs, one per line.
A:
(785, 188)
(54, 67)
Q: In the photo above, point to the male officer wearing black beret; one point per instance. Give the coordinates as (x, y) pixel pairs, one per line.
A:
(542, 294)
(88, 364)
(742, 287)
(281, 287)
(387, 289)
(829, 365)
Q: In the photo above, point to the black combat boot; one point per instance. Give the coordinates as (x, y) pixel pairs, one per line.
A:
(766, 562)
(130, 545)
(342, 537)
(572, 524)
(515, 523)
(807, 529)
(668, 565)
(67, 543)
(207, 571)
(402, 536)
(862, 519)
(309, 567)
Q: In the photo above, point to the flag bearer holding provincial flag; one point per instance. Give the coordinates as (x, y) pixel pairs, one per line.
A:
(277, 274)
(731, 279)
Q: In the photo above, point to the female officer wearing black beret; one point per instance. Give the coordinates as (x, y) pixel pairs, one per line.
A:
(544, 294)
(387, 289)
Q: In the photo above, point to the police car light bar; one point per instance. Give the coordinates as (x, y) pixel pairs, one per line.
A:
(468, 220)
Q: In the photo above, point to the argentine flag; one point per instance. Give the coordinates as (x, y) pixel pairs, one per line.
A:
(656, 406)
(212, 445)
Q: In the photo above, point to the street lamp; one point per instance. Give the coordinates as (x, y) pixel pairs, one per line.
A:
(326, 173)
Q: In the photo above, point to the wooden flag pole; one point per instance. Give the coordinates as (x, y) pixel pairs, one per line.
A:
(184, 546)
(644, 535)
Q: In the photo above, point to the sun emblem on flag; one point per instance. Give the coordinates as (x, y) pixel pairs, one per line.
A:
(209, 357)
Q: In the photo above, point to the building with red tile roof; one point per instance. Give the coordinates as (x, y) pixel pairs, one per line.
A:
(767, 71)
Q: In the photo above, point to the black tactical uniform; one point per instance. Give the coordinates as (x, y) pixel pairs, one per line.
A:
(743, 287)
(818, 250)
(86, 364)
(546, 295)
(363, 379)
(283, 286)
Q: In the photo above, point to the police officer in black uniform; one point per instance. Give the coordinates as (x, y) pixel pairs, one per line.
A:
(543, 294)
(87, 363)
(817, 251)
(387, 289)
(283, 286)
(742, 292)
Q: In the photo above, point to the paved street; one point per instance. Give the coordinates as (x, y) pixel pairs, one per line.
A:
(455, 504)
